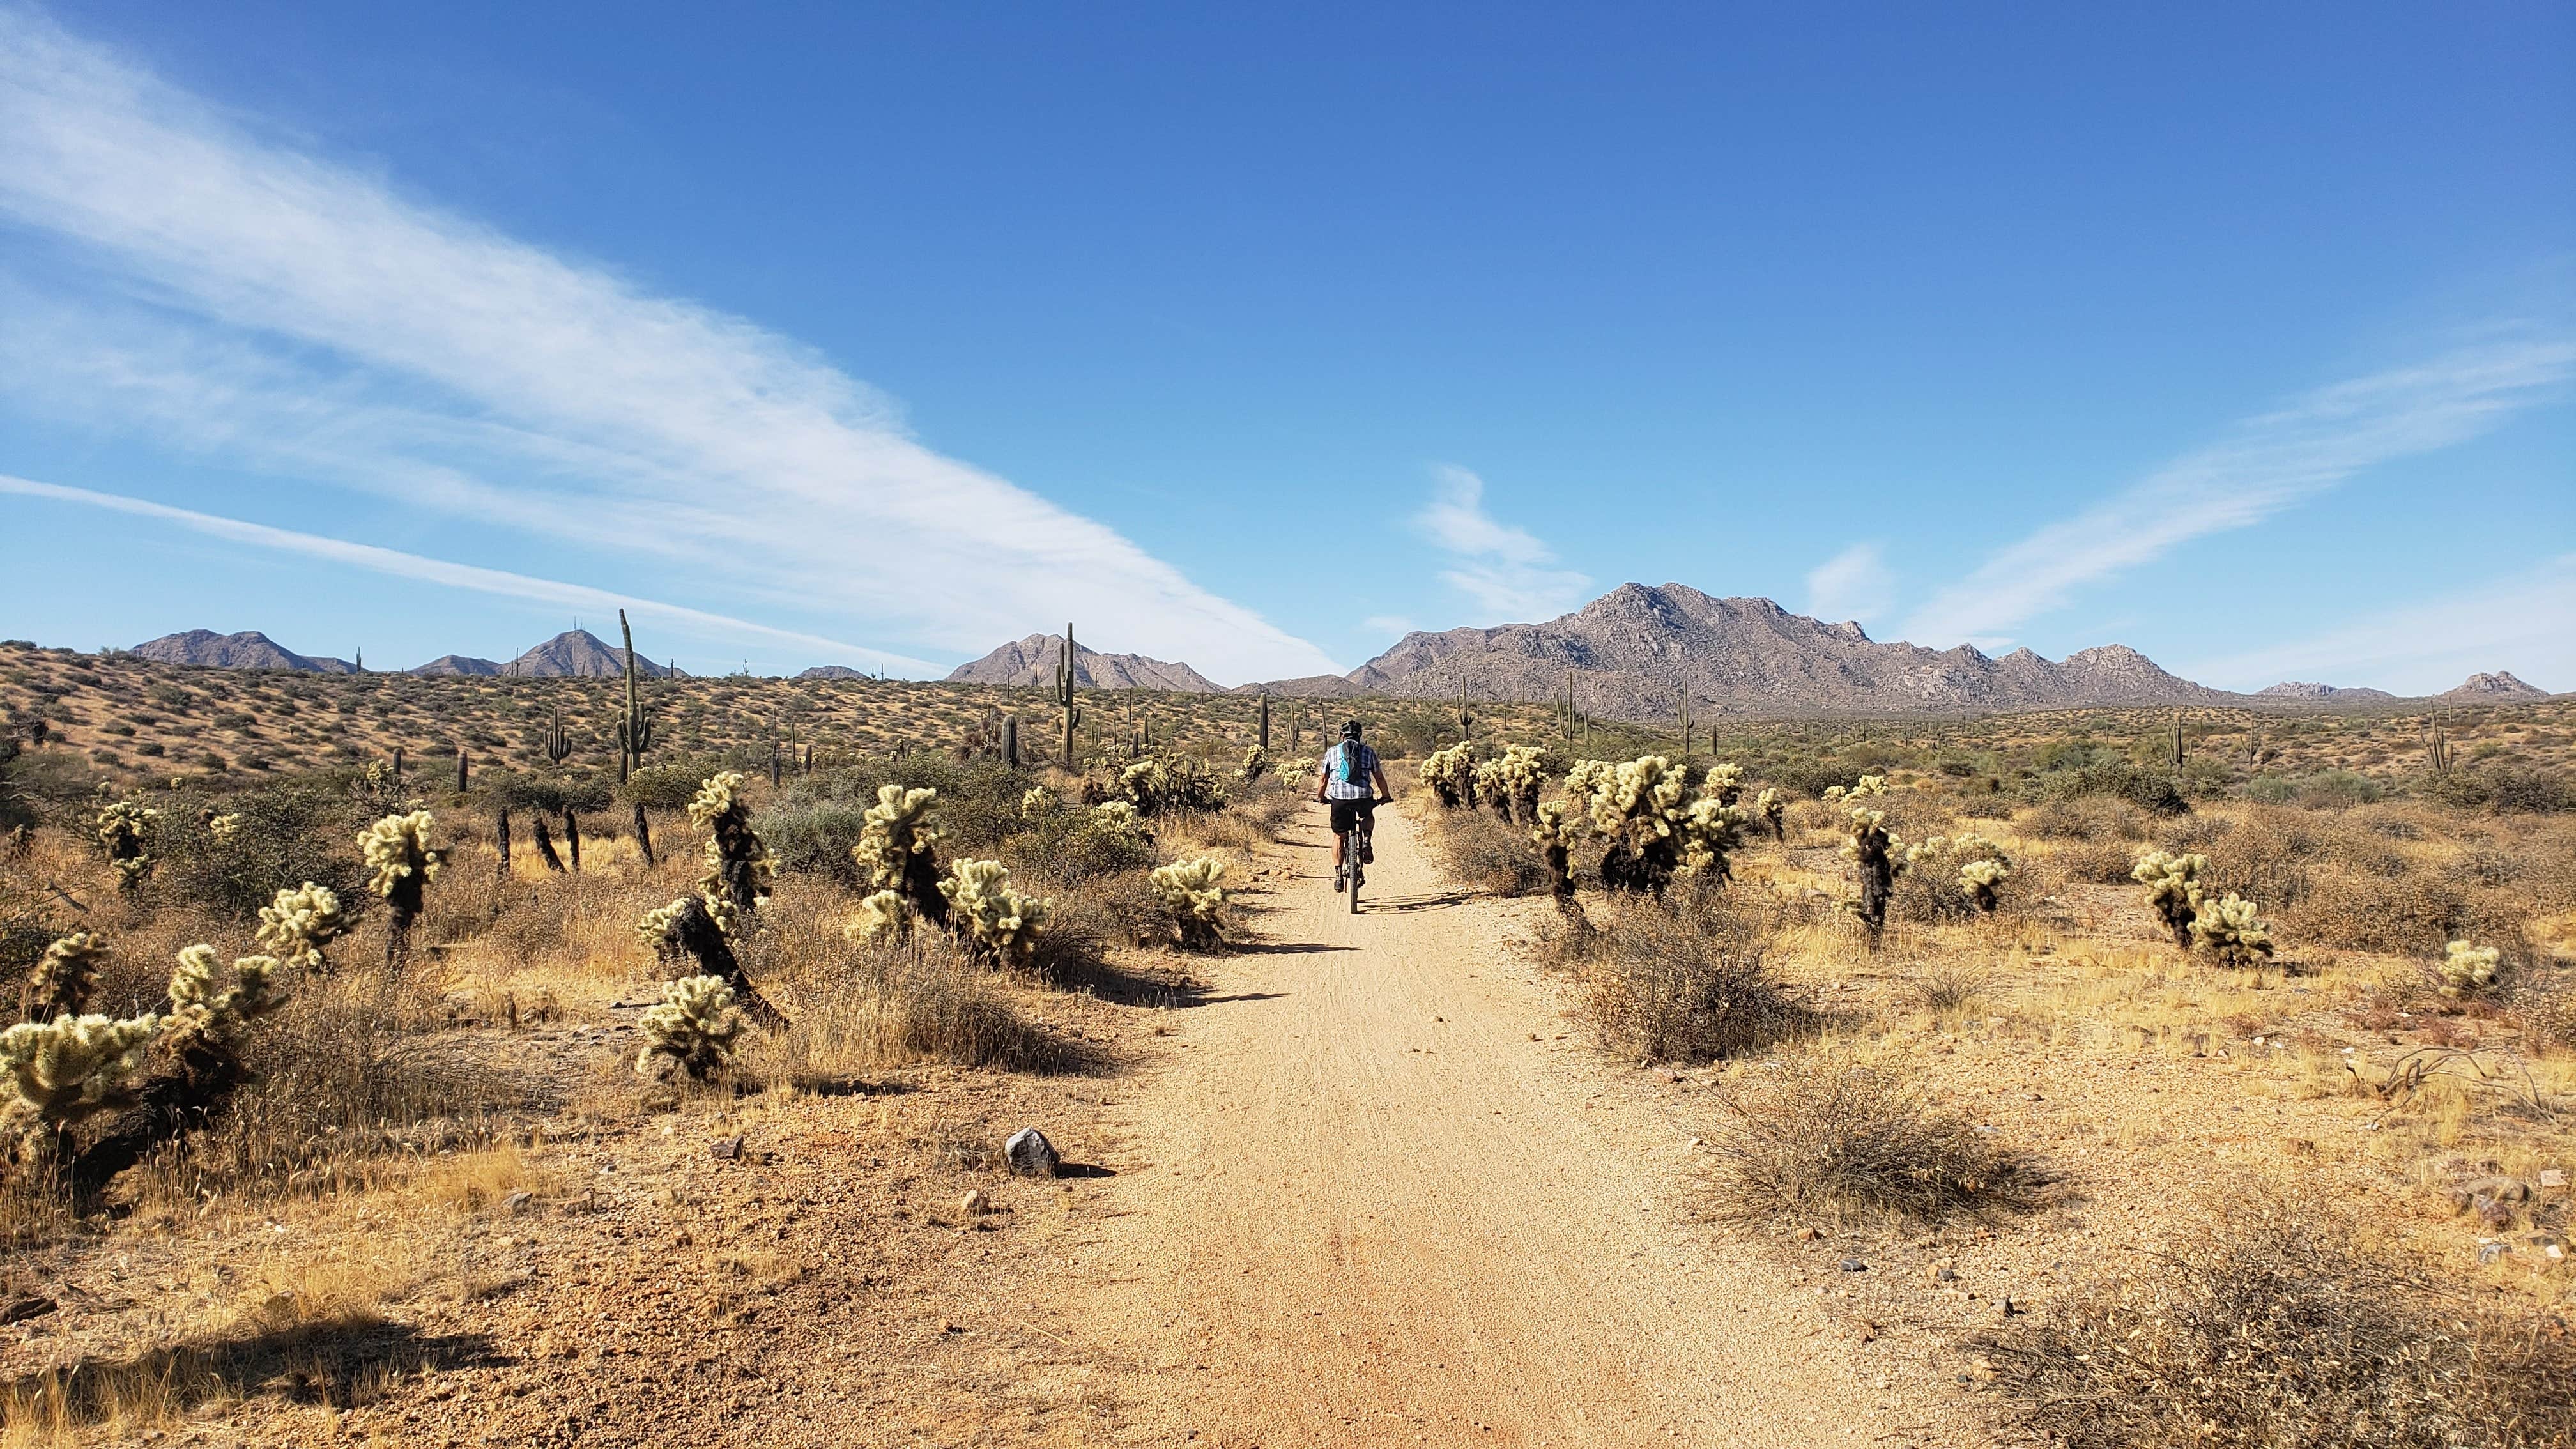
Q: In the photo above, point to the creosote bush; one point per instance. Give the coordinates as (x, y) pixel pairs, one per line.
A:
(1812, 1136)
(2272, 1325)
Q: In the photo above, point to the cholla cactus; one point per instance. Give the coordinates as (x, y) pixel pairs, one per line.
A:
(1868, 786)
(1117, 816)
(738, 865)
(882, 916)
(1554, 829)
(397, 849)
(1256, 763)
(898, 848)
(2173, 890)
(1979, 879)
(1451, 774)
(1511, 781)
(299, 923)
(1637, 806)
(66, 1069)
(691, 1029)
(1724, 783)
(1709, 830)
(2228, 928)
(1000, 923)
(1155, 786)
(125, 832)
(60, 984)
(2467, 969)
(197, 1006)
(1193, 899)
(1037, 800)
(223, 828)
(1775, 814)
(1877, 858)
(695, 929)
(1301, 770)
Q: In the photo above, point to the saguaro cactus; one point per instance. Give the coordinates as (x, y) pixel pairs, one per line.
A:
(572, 836)
(1262, 727)
(558, 741)
(1064, 694)
(635, 725)
(1010, 744)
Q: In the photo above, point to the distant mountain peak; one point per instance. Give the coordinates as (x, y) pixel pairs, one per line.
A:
(250, 649)
(2301, 689)
(2497, 686)
(1033, 660)
(579, 654)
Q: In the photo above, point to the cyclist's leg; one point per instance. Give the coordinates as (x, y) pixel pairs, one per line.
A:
(1368, 832)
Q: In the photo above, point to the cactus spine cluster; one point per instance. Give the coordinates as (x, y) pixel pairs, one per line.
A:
(299, 923)
(1190, 894)
(693, 1029)
(397, 851)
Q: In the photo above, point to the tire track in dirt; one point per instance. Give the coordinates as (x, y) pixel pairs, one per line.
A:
(1357, 1203)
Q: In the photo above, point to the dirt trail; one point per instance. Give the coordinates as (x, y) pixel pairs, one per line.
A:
(1363, 1206)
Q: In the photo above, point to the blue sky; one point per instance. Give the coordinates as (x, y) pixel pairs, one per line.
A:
(2242, 335)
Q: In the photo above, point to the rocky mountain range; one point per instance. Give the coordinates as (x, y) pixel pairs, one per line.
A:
(2299, 691)
(1638, 651)
(249, 649)
(1033, 660)
(574, 654)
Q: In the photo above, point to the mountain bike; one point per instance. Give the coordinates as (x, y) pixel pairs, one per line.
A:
(1354, 860)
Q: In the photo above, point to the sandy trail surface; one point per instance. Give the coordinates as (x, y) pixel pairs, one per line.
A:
(1380, 1193)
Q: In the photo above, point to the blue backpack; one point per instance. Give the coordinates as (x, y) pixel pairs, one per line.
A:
(1351, 771)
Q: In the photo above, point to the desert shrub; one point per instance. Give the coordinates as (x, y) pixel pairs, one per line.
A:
(814, 837)
(2086, 819)
(979, 800)
(1813, 1136)
(1070, 846)
(2407, 914)
(1812, 778)
(1686, 981)
(921, 1002)
(2270, 1325)
(283, 836)
(1482, 850)
(2091, 862)
(666, 787)
(1951, 878)
(2337, 790)
(2544, 1004)
(2150, 790)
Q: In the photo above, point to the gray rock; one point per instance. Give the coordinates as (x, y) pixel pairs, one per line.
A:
(1030, 1152)
(1854, 1265)
(2502, 1189)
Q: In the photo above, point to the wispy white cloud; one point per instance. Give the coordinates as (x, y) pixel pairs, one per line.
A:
(1387, 624)
(455, 575)
(2269, 463)
(2525, 623)
(1853, 584)
(1512, 577)
(239, 295)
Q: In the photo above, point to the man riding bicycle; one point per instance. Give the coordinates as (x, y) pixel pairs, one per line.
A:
(1342, 780)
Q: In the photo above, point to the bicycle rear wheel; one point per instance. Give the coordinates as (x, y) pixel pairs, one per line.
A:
(1357, 847)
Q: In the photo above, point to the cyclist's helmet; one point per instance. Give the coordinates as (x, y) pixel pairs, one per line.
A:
(1350, 729)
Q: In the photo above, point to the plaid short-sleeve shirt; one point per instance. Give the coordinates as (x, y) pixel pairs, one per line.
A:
(1357, 787)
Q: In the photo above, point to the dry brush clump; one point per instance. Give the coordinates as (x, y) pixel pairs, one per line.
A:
(1813, 1137)
(2272, 1324)
(1684, 981)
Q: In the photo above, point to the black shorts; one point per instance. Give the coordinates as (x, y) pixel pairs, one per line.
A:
(1347, 812)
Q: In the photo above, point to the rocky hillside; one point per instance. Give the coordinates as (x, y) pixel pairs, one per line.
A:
(249, 649)
(2300, 691)
(1636, 651)
(456, 664)
(1032, 661)
(2493, 688)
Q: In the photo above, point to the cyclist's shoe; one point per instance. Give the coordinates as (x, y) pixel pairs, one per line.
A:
(1368, 854)
(1337, 882)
